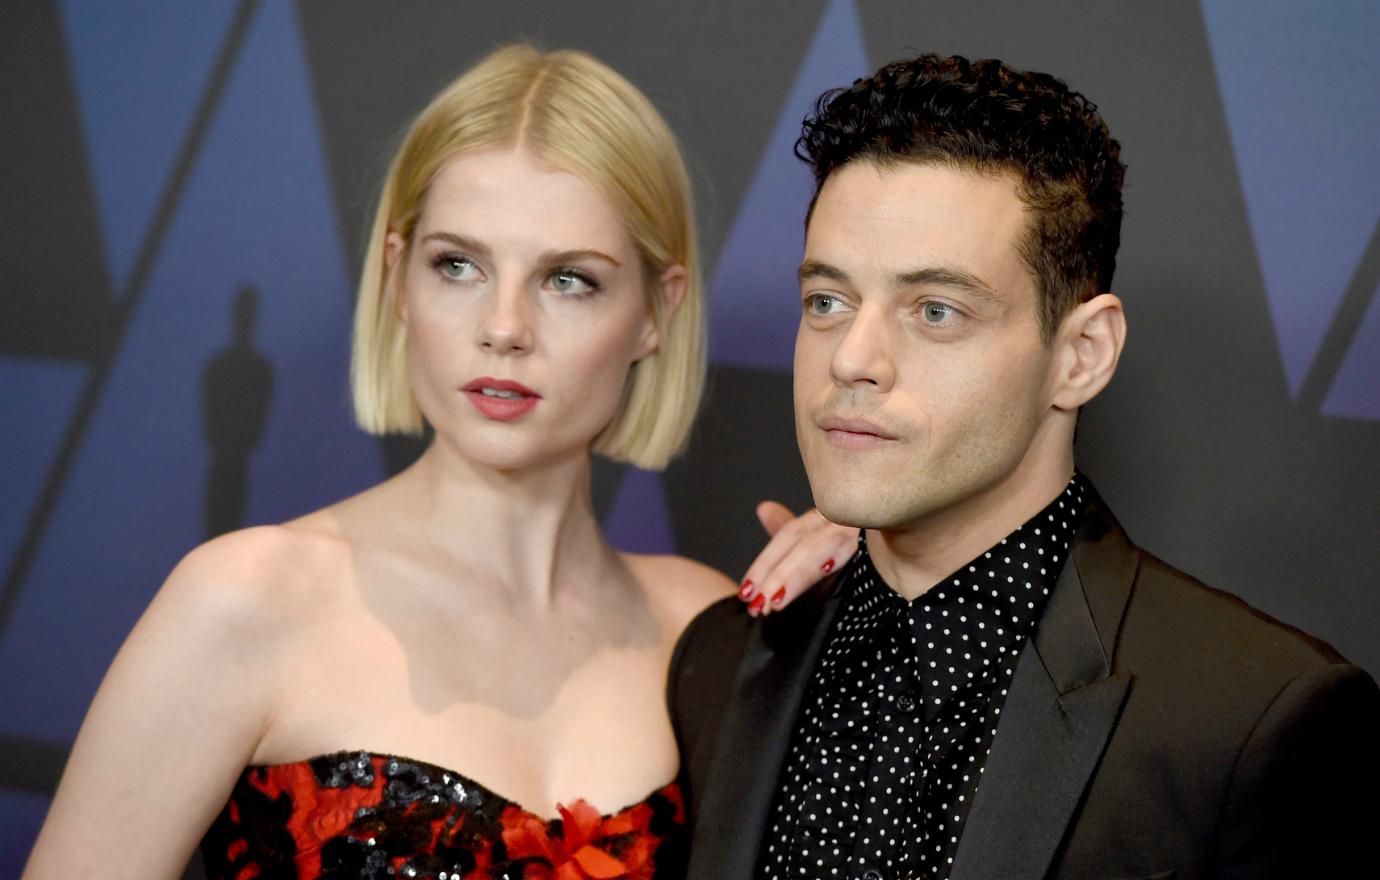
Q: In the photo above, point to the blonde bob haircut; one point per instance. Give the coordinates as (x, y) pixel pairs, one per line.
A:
(577, 115)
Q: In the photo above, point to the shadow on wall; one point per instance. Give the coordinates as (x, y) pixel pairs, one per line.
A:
(236, 388)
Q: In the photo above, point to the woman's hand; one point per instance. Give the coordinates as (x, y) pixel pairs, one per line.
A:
(803, 550)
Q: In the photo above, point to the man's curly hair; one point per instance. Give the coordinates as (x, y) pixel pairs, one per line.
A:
(985, 116)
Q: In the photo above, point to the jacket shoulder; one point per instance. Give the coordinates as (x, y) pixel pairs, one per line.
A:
(706, 656)
(699, 688)
(1236, 728)
(1209, 666)
(1215, 629)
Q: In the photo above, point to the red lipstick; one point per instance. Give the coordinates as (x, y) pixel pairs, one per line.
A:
(501, 400)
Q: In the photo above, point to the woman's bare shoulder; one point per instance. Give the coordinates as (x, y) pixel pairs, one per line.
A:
(682, 586)
(196, 684)
(261, 574)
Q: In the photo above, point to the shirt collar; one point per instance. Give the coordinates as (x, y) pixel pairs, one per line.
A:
(1015, 574)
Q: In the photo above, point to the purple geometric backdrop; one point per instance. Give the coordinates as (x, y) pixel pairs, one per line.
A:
(199, 169)
(1299, 83)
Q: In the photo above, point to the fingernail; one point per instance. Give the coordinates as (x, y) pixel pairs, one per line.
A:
(745, 591)
(757, 604)
(778, 596)
(828, 566)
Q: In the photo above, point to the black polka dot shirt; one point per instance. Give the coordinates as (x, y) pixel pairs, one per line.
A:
(902, 708)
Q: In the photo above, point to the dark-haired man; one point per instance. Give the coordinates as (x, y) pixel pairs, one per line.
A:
(999, 684)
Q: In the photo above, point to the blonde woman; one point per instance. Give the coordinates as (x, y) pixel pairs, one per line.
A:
(409, 682)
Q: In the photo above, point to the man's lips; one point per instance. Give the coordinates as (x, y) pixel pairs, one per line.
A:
(501, 400)
(854, 433)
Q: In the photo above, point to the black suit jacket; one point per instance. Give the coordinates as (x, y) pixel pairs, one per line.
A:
(1154, 728)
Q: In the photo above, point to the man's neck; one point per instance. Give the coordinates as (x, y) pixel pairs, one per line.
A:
(914, 557)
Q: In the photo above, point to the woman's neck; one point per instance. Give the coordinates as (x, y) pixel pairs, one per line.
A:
(533, 530)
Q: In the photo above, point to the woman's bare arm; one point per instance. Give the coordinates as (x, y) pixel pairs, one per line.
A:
(175, 720)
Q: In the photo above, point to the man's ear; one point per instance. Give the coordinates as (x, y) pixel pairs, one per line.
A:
(394, 247)
(670, 293)
(1087, 348)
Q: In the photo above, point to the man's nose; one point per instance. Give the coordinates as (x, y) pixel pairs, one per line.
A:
(864, 354)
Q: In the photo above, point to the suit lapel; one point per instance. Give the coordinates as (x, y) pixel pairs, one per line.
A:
(756, 735)
(1061, 709)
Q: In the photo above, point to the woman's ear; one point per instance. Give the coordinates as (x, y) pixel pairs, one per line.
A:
(670, 293)
(1088, 346)
(394, 247)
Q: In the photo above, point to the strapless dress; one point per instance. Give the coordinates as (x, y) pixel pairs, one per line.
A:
(361, 815)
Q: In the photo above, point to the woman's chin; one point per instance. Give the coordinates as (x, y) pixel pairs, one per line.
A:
(515, 456)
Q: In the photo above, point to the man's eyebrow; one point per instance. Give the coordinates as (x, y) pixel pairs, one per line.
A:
(944, 276)
(816, 269)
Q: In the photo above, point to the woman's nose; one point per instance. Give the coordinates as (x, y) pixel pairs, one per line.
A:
(506, 327)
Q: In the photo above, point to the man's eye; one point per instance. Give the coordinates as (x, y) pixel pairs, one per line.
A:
(937, 313)
(456, 268)
(822, 304)
(573, 283)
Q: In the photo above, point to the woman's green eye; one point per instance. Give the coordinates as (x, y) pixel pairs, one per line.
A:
(573, 283)
(455, 268)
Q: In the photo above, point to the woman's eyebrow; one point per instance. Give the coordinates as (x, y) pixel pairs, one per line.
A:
(479, 249)
(579, 254)
(473, 245)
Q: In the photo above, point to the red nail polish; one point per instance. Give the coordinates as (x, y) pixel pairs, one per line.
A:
(778, 596)
(828, 566)
(745, 591)
(757, 604)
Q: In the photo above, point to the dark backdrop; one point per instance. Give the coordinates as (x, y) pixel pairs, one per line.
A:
(184, 189)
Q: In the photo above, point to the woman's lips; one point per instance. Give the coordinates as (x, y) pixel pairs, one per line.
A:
(501, 400)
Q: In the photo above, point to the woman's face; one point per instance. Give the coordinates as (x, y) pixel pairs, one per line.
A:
(525, 304)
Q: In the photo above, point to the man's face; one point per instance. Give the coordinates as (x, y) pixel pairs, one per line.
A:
(921, 381)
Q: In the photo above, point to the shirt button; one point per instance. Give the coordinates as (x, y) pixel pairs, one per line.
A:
(871, 874)
(905, 703)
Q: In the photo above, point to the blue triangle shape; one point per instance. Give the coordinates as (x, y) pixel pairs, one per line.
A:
(754, 307)
(139, 71)
(257, 212)
(1355, 392)
(638, 521)
(39, 397)
(1299, 84)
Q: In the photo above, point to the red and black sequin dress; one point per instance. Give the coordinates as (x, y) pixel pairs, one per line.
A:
(366, 816)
